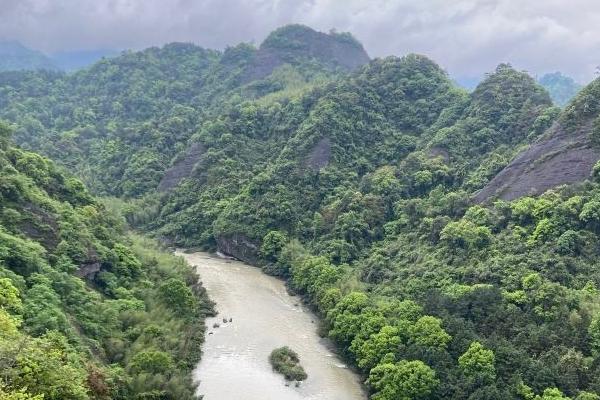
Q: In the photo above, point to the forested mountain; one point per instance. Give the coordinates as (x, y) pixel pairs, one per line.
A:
(120, 122)
(444, 236)
(562, 88)
(14, 57)
(86, 312)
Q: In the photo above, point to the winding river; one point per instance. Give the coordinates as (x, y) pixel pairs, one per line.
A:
(263, 316)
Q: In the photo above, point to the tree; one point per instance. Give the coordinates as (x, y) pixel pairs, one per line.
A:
(478, 363)
(405, 380)
(465, 234)
(379, 345)
(178, 296)
(594, 332)
(272, 244)
(428, 332)
(9, 296)
(152, 361)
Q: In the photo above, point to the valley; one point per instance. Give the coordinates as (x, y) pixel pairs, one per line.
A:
(235, 360)
(444, 243)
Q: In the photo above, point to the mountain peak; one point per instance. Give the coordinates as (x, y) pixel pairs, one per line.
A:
(295, 44)
(15, 56)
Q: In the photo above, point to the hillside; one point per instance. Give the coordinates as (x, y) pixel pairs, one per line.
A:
(86, 311)
(15, 57)
(120, 122)
(367, 211)
(297, 44)
(565, 155)
(429, 227)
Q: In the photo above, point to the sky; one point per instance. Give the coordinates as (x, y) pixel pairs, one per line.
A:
(466, 37)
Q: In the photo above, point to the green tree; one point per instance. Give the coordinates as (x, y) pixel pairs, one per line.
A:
(405, 380)
(478, 363)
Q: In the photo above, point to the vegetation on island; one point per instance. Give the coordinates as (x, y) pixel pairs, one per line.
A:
(286, 362)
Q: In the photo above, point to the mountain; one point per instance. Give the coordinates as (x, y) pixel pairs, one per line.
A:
(359, 193)
(86, 311)
(296, 44)
(448, 239)
(565, 155)
(561, 88)
(14, 56)
(74, 60)
(125, 118)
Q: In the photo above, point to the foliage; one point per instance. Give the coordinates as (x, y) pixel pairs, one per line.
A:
(286, 362)
(356, 188)
(81, 302)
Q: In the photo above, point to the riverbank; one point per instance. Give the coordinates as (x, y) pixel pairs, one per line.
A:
(263, 316)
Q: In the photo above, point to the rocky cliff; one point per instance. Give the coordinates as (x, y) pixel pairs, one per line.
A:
(182, 168)
(559, 158)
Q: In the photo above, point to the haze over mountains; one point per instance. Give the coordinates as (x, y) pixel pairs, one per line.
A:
(14, 56)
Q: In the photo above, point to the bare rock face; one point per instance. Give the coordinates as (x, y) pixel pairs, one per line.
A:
(320, 155)
(297, 43)
(239, 246)
(558, 158)
(88, 270)
(40, 226)
(90, 267)
(181, 169)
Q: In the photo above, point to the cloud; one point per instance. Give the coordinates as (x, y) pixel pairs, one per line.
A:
(467, 37)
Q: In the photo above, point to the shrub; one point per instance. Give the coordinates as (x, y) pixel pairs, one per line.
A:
(286, 362)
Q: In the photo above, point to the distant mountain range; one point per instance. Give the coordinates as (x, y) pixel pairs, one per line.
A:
(15, 56)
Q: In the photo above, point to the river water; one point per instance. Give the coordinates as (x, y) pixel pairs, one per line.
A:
(235, 362)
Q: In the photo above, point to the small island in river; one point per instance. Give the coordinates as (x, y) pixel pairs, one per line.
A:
(286, 362)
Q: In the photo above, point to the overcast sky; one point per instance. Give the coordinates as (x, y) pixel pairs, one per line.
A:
(466, 37)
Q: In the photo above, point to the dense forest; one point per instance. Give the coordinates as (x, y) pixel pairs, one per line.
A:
(356, 181)
(87, 311)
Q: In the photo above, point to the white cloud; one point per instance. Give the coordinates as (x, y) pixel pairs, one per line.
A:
(468, 37)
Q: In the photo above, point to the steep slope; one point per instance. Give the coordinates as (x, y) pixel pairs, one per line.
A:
(119, 123)
(329, 121)
(564, 155)
(14, 57)
(367, 211)
(86, 312)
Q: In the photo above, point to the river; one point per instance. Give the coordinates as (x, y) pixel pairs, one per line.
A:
(264, 316)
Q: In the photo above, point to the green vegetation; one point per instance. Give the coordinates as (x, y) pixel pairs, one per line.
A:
(86, 310)
(286, 362)
(119, 123)
(432, 296)
(357, 188)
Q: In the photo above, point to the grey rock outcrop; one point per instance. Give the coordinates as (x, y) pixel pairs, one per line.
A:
(182, 168)
(558, 158)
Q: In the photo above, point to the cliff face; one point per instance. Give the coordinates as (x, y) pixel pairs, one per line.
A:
(182, 168)
(296, 43)
(559, 158)
(565, 154)
(240, 247)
